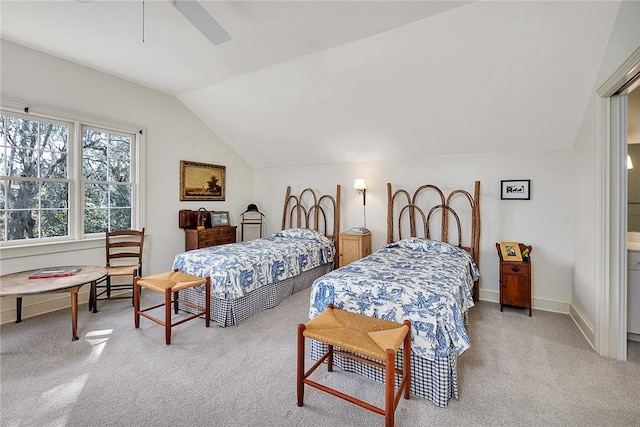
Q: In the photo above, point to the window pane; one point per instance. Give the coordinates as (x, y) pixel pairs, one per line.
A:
(23, 195)
(120, 219)
(54, 137)
(94, 169)
(21, 224)
(121, 144)
(95, 220)
(96, 195)
(120, 196)
(22, 133)
(22, 162)
(3, 236)
(94, 140)
(53, 165)
(54, 195)
(119, 168)
(54, 222)
(3, 186)
(3, 158)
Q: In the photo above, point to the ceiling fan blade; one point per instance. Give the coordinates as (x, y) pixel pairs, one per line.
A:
(200, 18)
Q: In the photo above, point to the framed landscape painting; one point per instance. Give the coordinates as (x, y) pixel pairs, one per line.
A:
(201, 181)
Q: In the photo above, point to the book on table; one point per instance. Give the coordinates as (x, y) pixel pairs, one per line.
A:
(54, 272)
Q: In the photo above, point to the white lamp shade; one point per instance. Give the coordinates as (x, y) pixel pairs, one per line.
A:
(629, 163)
(359, 184)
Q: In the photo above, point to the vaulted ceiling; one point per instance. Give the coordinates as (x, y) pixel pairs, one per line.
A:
(311, 82)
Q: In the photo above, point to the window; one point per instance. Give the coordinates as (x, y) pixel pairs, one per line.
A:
(61, 179)
(106, 179)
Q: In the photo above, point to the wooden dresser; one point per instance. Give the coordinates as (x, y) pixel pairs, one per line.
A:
(515, 281)
(219, 235)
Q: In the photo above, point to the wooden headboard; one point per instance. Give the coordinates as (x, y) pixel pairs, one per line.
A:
(412, 214)
(309, 210)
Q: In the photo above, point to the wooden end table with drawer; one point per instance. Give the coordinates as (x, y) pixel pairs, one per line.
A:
(515, 280)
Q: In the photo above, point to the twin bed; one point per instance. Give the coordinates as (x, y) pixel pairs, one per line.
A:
(249, 277)
(422, 274)
(430, 282)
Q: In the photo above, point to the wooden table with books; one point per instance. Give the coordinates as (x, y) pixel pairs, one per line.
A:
(51, 280)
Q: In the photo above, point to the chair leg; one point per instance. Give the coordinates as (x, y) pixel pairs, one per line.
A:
(108, 287)
(300, 365)
(136, 302)
(136, 273)
(167, 315)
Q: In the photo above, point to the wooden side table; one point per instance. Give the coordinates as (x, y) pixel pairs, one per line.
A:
(515, 280)
(353, 246)
(219, 235)
(19, 285)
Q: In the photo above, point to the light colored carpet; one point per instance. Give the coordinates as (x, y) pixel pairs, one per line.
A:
(520, 371)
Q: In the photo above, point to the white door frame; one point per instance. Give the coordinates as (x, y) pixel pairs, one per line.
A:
(611, 217)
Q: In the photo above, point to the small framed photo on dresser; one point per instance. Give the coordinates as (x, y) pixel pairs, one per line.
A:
(510, 251)
(219, 218)
(515, 189)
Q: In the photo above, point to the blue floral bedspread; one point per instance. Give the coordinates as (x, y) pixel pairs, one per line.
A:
(426, 281)
(238, 268)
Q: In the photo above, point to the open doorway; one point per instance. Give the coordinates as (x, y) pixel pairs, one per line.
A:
(611, 216)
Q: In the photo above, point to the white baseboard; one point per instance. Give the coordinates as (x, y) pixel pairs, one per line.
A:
(633, 337)
(583, 324)
(538, 303)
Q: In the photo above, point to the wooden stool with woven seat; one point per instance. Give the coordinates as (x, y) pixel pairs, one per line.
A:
(356, 336)
(170, 284)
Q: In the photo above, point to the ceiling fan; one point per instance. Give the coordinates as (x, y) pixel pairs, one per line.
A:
(200, 18)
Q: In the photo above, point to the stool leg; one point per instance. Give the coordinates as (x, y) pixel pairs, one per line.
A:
(330, 358)
(406, 364)
(175, 301)
(167, 316)
(300, 370)
(207, 302)
(389, 388)
(136, 302)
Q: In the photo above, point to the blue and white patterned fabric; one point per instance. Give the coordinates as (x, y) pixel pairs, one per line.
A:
(426, 281)
(238, 268)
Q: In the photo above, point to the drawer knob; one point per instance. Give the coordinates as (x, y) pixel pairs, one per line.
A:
(515, 268)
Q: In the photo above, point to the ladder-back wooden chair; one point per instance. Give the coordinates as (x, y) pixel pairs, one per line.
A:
(124, 258)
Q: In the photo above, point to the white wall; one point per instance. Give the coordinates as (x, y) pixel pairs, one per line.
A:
(543, 222)
(625, 38)
(173, 133)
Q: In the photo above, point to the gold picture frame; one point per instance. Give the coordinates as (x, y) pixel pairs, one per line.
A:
(219, 218)
(202, 181)
(510, 251)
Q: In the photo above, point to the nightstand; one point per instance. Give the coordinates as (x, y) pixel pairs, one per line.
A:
(515, 280)
(353, 246)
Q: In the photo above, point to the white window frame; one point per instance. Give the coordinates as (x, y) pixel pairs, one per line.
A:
(76, 239)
